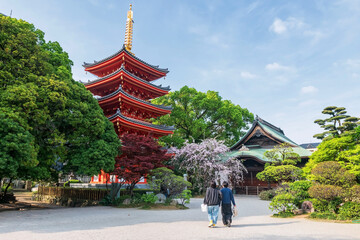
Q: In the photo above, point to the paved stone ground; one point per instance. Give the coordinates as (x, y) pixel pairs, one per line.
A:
(253, 222)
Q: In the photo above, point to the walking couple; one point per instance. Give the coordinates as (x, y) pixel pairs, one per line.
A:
(213, 198)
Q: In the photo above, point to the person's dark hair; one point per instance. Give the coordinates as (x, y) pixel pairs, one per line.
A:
(225, 184)
(213, 184)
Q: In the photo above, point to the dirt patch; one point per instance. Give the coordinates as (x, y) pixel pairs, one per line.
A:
(24, 202)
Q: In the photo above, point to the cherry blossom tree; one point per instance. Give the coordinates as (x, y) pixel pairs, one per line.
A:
(207, 161)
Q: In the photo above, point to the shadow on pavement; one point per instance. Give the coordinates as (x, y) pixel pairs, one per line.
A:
(259, 224)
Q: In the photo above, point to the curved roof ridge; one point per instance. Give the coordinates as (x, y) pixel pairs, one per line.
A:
(135, 98)
(269, 124)
(160, 127)
(123, 49)
(122, 68)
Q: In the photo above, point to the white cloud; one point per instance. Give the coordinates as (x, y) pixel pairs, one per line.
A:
(308, 89)
(279, 26)
(277, 67)
(353, 63)
(315, 35)
(247, 75)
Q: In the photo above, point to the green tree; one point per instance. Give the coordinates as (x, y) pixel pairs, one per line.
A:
(282, 166)
(60, 118)
(167, 182)
(279, 173)
(198, 116)
(16, 144)
(345, 150)
(331, 173)
(282, 154)
(336, 124)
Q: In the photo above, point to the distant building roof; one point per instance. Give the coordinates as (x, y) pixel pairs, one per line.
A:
(309, 145)
(245, 149)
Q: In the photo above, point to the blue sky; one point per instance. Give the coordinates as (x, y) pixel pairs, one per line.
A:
(283, 60)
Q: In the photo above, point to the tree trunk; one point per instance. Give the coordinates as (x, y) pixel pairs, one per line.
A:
(132, 186)
(115, 188)
(5, 191)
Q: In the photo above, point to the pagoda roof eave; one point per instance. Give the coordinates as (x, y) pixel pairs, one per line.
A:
(123, 49)
(120, 90)
(167, 129)
(122, 69)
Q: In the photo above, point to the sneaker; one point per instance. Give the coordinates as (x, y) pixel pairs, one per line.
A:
(228, 224)
(211, 224)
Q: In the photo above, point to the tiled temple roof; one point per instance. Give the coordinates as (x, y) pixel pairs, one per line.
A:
(136, 99)
(160, 127)
(267, 127)
(256, 151)
(123, 49)
(122, 68)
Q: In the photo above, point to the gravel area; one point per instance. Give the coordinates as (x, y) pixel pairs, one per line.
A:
(253, 222)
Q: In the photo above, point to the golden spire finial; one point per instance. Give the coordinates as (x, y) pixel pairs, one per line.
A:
(129, 29)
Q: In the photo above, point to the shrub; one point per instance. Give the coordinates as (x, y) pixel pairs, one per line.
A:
(299, 189)
(350, 210)
(185, 196)
(137, 198)
(9, 190)
(106, 201)
(119, 201)
(322, 205)
(167, 182)
(67, 184)
(331, 173)
(279, 173)
(353, 194)
(324, 215)
(149, 198)
(319, 205)
(283, 203)
(267, 195)
(326, 192)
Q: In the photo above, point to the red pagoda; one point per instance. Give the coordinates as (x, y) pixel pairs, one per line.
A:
(124, 89)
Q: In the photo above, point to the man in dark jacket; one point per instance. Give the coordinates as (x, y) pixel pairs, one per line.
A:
(227, 199)
(212, 200)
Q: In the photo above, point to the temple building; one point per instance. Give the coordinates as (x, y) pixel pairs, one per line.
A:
(250, 149)
(124, 89)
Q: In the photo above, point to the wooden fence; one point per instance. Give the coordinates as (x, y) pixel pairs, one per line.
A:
(74, 193)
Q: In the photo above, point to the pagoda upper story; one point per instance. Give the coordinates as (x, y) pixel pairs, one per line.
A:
(132, 64)
(124, 90)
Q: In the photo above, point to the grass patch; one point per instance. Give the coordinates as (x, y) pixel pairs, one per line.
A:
(284, 215)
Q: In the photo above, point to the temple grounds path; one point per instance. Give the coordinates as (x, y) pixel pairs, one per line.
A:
(253, 222)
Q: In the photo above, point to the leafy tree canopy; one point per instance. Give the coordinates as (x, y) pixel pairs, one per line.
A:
(282, 154)
(338, 123)
(282, 166)
(279, 173)
(140, 155)
(49, 117)
(331, 173)
(198, 116)
(345, 150)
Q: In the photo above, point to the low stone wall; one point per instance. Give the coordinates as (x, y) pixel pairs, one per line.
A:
(63, 201)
